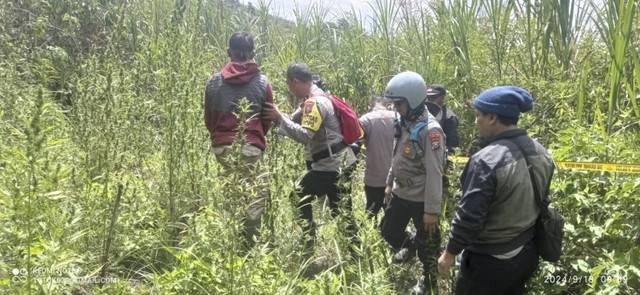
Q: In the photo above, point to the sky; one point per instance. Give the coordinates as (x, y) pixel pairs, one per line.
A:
(285, 8)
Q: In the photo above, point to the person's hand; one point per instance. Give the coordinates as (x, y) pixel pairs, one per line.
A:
(270, 112)
(430, 222)
(387, 194)
(445, 261)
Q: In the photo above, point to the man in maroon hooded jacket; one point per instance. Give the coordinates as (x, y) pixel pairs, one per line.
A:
(240, 79)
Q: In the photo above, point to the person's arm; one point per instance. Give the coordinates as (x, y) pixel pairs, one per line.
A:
(452, 132)
(389, 186)
(433, 162)
(365, 122)
(478, 189)
(266, 123)
(390, 175)
(310, 123)
(296, 116)
(210, 117)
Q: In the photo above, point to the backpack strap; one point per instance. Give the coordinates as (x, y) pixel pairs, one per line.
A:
(414, 135)
(415, 131)
(444, 117)
(544, 209)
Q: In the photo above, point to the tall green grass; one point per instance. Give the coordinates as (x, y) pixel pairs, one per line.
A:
(499, 13)
(615, 24)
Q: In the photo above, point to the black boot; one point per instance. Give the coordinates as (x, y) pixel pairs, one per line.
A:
(407, 252)
(403, 255)
(419, 287)
(426, 285)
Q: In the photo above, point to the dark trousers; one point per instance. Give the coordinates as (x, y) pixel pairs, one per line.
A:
(484, 274)
(375, 199)
(338, 190)
(396, 218)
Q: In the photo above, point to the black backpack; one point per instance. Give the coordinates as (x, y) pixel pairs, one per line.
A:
(549, 227)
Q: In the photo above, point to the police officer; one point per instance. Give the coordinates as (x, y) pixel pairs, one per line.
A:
(448, 121)
(240, 78)
(414, 183)
(447, 118)
(319, 130)
(317, 89)
(497, 212)
(378, 126)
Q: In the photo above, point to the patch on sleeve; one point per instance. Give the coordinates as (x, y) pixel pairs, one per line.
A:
(436, 139)
(311, 118)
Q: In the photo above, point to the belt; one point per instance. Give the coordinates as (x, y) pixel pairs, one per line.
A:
(334, 149)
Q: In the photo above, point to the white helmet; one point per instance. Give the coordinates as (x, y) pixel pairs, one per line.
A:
(408, 86)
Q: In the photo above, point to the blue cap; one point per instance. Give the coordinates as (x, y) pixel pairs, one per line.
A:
(506, 101)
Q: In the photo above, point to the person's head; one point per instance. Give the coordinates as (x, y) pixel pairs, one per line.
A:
(499, 108)
(299, 79)
(240, 47)
(379, 102)
(408, 92)
(436, 93)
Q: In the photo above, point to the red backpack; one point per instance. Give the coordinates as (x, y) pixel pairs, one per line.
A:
(349, 123)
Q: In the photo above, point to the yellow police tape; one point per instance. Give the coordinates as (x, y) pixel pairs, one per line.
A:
(608, 167)
(458, 160)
